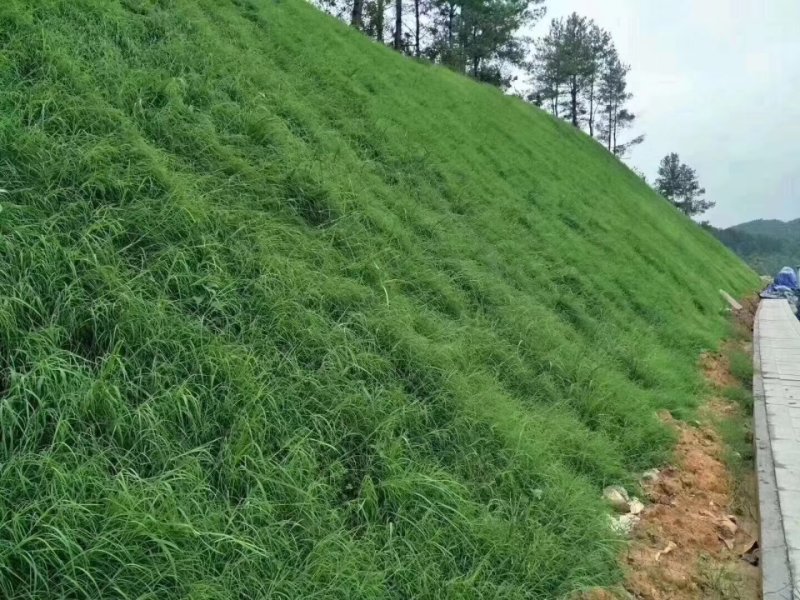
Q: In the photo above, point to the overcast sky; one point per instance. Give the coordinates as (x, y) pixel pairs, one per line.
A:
(718, 82)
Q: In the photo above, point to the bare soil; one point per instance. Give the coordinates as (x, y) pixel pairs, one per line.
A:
(692, 511)
(697, 537)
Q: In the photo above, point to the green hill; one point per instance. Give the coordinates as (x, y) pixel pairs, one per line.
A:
(766, 245)
(786, 230)
(284, 314)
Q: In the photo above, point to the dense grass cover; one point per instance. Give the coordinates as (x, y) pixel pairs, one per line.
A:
(286, 315)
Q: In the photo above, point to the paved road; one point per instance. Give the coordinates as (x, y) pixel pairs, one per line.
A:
(777, 429)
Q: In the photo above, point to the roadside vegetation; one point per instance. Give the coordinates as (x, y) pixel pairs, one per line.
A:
(284, 313)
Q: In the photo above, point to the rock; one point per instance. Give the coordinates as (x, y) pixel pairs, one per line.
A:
(621, 490)
(670, 547)
(753, 558)
(752, 554)
(617, 497)
(623, 524)
(650, 476)
(727, 528)
(636, 506)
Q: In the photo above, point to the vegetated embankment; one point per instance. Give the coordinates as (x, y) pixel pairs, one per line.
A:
(285, 314)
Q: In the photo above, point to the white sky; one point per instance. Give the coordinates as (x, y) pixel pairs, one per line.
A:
(718, 82)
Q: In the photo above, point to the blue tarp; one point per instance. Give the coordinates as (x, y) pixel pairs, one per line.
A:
(787, 278)
(785, 286)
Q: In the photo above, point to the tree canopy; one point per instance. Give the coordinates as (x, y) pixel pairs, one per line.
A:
(577, 74)
(480, 38)
(678, 183)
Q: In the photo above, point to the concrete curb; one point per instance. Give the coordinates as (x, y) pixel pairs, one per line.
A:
(776, 578)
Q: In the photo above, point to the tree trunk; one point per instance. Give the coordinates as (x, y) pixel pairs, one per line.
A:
(614, 143)
(379, 20)
(398, 25)
(573, 92)
(416, 28)
(450, 16)
(356, 19)
(591, 108)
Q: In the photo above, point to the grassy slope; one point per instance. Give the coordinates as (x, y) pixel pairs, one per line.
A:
(283, 313)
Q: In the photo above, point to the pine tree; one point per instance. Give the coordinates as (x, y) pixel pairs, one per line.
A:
(481, 37)
(678, 183)
(567, 68)
(600, 45)
(613, 96)
(546, 67)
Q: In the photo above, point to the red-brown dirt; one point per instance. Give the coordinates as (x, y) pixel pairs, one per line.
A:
(691, 509)
(692, 537)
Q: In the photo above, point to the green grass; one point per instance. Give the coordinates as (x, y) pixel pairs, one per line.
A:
(286, 315)
(742, 367)
(722, 582)
(736, 425)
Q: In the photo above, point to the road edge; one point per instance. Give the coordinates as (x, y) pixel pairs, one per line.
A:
(776, 578)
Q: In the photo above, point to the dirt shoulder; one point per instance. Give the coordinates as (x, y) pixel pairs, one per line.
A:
(703, 507)
(697, 538)
(690, 541)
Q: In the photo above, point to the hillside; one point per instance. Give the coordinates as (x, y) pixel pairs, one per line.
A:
(766, 245)
(284, 314)
(787, 230)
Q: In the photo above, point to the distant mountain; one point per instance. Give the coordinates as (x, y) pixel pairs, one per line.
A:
(787, 230)
(765, 244)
